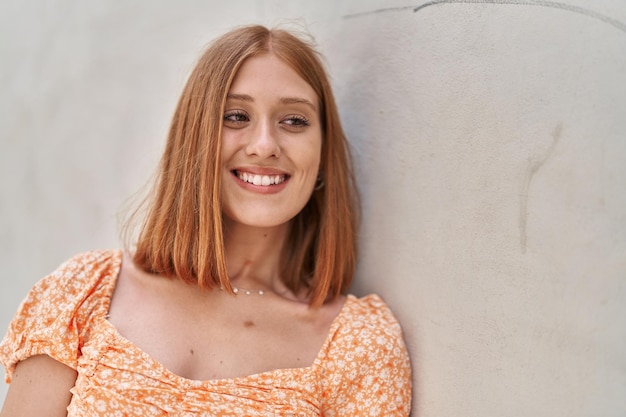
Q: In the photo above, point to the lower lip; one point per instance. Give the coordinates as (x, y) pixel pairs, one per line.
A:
(260, 189)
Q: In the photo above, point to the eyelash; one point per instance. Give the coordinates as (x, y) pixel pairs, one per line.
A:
(300, 121)
(240, 117)
(293, 121)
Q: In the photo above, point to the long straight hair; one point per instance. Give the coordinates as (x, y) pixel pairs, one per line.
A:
(181, 234)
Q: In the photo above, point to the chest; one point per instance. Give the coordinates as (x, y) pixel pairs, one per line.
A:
(224, 338)
(117, 376)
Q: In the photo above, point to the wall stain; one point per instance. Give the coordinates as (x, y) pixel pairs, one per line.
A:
(534, 164)
(540, 3)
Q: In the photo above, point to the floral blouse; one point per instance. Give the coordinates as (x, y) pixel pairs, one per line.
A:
(362, 369)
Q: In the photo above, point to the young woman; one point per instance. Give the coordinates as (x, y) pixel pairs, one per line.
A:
(232, 301)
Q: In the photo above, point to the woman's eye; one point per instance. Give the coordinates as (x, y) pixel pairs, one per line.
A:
(235, 118)
(296, 121)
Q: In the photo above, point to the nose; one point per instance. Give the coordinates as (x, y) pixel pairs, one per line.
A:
(263, 141)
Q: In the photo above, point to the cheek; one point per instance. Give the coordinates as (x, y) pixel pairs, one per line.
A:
(315, 151)
(227, 143)
(310, 168)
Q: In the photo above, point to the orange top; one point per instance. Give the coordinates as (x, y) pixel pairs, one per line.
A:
(362, 369)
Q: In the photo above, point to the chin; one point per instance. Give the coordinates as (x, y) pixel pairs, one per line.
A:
(261, 222)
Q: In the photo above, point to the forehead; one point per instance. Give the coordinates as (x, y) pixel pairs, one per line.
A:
(267, 74)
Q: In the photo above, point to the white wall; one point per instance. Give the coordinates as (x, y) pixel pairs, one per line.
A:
(491, 149)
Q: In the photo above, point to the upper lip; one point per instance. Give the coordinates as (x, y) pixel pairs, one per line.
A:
(256, 170)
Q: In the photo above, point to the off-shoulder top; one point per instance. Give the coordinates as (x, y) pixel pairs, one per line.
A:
(362, 368)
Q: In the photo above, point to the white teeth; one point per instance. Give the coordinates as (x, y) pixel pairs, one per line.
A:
(264, 180)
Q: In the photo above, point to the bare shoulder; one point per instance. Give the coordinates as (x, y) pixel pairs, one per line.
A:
(40, 386)
(139, 293)
(330, 311)
(131, 287)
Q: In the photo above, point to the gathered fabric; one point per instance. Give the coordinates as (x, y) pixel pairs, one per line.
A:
(362, 369)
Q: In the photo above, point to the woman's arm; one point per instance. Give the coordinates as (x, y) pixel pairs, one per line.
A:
(40, 387)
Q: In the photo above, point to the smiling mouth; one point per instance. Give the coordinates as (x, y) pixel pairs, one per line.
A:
(262, 180)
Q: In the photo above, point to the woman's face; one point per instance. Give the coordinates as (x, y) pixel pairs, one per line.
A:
(271, 143)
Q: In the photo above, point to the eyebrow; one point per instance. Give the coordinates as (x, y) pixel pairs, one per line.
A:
(240, 97)
(284, 100)
(297, 100)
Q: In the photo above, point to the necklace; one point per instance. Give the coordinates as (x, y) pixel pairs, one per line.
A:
(237, 291)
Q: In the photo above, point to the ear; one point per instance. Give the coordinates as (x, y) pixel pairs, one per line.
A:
(319, 182)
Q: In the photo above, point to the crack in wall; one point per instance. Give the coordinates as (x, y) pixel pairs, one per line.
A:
(539, 3)
(534, 164)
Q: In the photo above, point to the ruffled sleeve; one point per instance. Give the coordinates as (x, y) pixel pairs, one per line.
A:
(367, 370)
(55, 317)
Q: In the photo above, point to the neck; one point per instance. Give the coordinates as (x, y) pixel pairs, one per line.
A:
(253, 255)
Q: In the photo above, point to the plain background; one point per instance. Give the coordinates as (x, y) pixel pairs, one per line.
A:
(490, 143)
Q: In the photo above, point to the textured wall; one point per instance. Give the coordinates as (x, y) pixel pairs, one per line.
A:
(491, 149)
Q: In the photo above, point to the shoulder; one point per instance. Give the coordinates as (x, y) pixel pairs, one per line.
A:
(365, 328)
(367, 366)
(86, 265)
(370, 314)
(83, 277)
(76, 277)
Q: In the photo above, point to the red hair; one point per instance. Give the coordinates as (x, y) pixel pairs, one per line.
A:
(181, 235)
